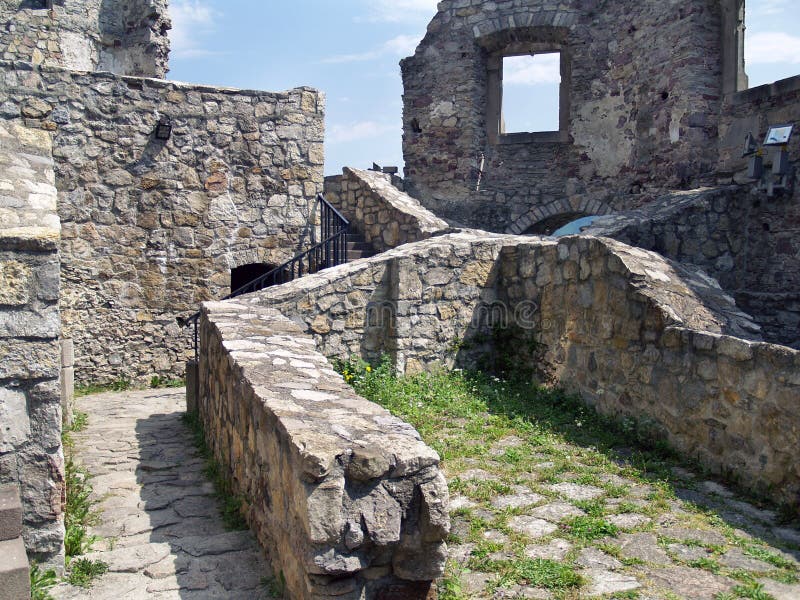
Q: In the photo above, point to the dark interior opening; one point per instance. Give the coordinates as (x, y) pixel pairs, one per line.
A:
(241, 276)
(550, 224)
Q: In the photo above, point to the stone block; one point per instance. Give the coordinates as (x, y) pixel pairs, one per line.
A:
(15, 426)
(15, 582)
(15, 283)
(10, 513)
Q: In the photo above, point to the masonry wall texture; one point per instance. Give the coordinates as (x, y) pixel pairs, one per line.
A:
(384, 215)
(150, 228)
(127, 37)
(746, 241)
(643, 93)
(347, 499)
(633, 333)
(31, 457)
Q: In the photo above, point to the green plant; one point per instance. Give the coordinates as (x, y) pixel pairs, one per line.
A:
(41, 582)
(752, 591)
(230, 504)
(157, 381)
(587, 528)
(78, 512)
(82, 571)
(276, 586)
(119, 385)
(449, 586)
(541, 572)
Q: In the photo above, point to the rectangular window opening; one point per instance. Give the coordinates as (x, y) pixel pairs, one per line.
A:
(531, 94)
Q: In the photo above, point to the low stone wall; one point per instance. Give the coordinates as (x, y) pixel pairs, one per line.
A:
(31, 457)
(633, 333)
(745, 241)
(385, 216)
(346, 498)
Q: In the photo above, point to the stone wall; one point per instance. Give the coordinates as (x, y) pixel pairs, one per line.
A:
(151, 228)
(31, 457)
(633, 333)
(384, 215)
(641, 100)
(748, 242)
(122, 36)
(346, 498)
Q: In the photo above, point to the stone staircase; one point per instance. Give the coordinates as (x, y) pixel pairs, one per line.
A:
(15, 581)
(358, 246)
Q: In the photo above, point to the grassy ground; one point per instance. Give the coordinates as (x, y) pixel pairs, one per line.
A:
(528, 439)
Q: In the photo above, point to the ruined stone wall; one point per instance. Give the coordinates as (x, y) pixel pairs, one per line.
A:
(384, 215)
(347, 500)
(744, 239)
(643, 93)
(31, 456)
(122, 36)
(633, 333)
(637, 335)
(150, 228)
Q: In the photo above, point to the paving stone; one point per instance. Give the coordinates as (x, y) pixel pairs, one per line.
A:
(697, 535)
(712, 487)
(688, 553)
(643, 546)
(685, 582)
(628, 520)
(736, 559)
(517, 500)
(475, 582)
(576, 491)
(608, 582)
(592, 558)
(531, 526)
(492, 535)
(459, 502)
(477, 475)
(781, 591)
(500, 446)
(556, 549)
(557, 511)
(518, 591)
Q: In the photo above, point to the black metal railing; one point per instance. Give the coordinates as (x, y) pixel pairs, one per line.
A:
(331, 251)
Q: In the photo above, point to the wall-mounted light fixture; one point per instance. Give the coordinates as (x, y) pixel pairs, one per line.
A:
(163, 128)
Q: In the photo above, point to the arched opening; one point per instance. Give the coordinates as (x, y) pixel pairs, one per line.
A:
(241, 276)
(561, 224)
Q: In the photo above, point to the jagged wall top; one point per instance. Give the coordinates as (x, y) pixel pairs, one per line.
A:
(127, 37)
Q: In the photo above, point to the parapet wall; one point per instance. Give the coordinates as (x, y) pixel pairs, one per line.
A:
(346, 499)
(386, 216)
(152, 228)
(31, 457)
(633, 333)
(744, 239)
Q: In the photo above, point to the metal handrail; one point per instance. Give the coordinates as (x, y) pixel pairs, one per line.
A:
(330, 252)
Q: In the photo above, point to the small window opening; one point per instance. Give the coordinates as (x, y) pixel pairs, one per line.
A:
(531, 93)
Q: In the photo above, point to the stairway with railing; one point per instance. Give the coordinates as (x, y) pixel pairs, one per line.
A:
(333, 249)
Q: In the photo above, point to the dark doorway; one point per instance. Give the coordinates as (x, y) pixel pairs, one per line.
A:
(241, 276)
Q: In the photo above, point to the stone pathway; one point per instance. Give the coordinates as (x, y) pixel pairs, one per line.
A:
(625, 537)
(162, 535)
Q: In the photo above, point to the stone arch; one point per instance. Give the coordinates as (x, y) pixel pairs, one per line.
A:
(558, 207)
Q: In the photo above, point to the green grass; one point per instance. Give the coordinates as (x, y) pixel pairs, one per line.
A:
(157, 381)
(230, 504)
(83, 571)
(41, 582)
(119, 385)
(588, 528)
(540, 572)
(752, 591)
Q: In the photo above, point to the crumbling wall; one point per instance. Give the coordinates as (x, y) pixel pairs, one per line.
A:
(122, 36)
(386, 216)
(347, 500)
(31, 457)
(642, 99)
(151, 228)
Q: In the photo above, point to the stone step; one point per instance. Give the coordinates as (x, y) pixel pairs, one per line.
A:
(15, 579)
(10, 513)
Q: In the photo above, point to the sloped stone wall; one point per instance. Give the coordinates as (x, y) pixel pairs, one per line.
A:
(641, 104)
(150, 228)
(31, 457)
(384, 215)
(346, 498)
(635, 334)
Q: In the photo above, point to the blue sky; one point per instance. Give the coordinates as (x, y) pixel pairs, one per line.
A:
(350, 49)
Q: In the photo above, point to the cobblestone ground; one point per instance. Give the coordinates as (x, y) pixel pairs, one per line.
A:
(160, 526)
(625, 538)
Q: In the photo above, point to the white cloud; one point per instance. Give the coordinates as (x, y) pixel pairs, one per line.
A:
(531, 70)
(771, 47)
(396, 11)
(766, 7)
(363, 130)
(191, 21)
(399, 46)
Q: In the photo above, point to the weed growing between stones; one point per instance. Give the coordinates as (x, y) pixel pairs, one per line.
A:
(230, 504)
(41, 582)
(533, 470)
(157, 382)
(78, 514)
(120, 385)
